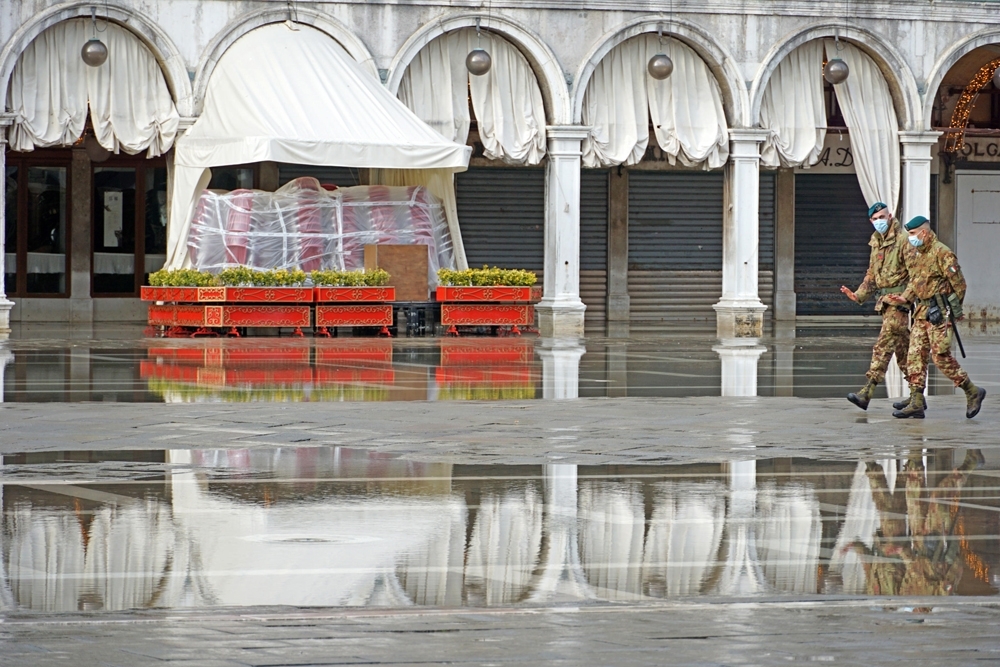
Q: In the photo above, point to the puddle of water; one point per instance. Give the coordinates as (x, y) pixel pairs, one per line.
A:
(332, 526)
(366, 369)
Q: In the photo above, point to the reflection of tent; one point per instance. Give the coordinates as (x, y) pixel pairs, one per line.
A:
(296, 96)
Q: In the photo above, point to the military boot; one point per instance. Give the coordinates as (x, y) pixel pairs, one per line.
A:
(973, 398)
(901, 405)
(916, 406)
(864, 395)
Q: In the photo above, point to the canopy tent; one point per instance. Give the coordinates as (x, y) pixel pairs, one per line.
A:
(290, 93)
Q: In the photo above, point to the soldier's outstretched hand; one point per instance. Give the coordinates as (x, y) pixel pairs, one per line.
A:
(849, 293)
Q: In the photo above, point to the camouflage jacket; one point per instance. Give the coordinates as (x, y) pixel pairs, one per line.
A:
(933, 270)
(887, 266)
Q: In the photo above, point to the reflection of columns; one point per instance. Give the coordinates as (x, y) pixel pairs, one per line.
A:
(741, 573)
(740, 311)
(916, 168)
(560, 368)
(784, 245)
(80, 384)
(616, 362)
(6, 357)
(560, 312)
(561, 572)
(5, 303)
(784, 359)
(739, 366)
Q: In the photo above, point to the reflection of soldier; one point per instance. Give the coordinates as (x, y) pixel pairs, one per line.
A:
(928, 562)
(936, 286)
(886, 274)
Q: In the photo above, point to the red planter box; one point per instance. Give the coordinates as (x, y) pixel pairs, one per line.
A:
(522, 294)
(487, 314)
(228, 294)
(183, 315)
(353, 316)
(355, 294)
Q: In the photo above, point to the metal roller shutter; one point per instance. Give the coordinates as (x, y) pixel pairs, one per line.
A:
(594, 245)
(344, 177)
(831, 243)
(675, 247)
(765, 250)
(501, 212)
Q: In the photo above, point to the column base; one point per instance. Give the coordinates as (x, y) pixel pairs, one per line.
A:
(784, 305)
(5, 306)
(739, 319)
(560, 319)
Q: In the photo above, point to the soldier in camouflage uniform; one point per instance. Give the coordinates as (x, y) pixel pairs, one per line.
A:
(936, 286)
(886, 274)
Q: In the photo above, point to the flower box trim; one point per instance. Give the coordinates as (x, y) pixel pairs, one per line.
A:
(499, 293)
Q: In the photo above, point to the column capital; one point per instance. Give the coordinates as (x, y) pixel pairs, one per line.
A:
(754, 135)
(928, 137)
(578, 132)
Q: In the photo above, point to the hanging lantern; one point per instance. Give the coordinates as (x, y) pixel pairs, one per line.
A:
(478, 62)
(94, 53)
(660, 66)
(836, 71)
(996, 78)
(95, 151)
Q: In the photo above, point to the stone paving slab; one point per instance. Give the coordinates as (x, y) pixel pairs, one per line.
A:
(583, 431)
(867, 631)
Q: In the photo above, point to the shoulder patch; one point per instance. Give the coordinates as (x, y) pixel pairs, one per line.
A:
(953, 268)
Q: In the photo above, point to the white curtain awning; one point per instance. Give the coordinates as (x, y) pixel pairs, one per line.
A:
(51, 87)
(293, 94)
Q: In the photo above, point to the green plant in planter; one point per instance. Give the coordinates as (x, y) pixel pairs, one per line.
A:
(487, 277)
(376, 278)
(182, 278)
(244, 276)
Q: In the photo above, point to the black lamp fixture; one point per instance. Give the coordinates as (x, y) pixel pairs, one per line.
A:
(94, 52)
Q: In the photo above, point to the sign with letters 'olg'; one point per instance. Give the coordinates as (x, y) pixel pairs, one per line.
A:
(981, 149)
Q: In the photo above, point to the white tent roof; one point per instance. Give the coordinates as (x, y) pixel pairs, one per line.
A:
(293, 94)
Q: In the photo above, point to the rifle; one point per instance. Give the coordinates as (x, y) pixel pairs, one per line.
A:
(954, 327)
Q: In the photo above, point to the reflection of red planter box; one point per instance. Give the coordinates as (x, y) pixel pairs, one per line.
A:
(469, 374)
(358, 351)
(182, 315)
(476, 353)
(356, 294)
(353, 316)
(228, 294)
(484, 293)
(354, 376)
(214, 355)
(486, 314)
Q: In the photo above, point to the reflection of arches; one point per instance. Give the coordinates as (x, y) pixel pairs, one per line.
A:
(548, 71)
(718, 59)
(897, 74)
(154, 38)
(947, 60)
(248, 22)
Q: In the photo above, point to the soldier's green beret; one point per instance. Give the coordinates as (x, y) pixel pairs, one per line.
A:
(916, 222)
(875, 208)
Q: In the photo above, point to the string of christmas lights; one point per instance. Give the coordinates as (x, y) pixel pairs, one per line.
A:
(967, 100)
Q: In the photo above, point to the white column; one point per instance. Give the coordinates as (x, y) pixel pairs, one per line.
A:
(740, 311)
(560, 312)
(560, 368)
(5, 303)
(916, 162)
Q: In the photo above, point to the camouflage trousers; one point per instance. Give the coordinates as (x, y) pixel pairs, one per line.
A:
(935, 342)
(893, 338)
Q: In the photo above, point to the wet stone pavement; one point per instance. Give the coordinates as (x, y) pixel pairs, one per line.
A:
(685, 502)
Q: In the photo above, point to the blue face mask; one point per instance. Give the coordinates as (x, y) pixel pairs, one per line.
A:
(881, 226)
(915, 241)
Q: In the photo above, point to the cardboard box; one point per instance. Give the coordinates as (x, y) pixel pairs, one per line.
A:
(407, 266)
